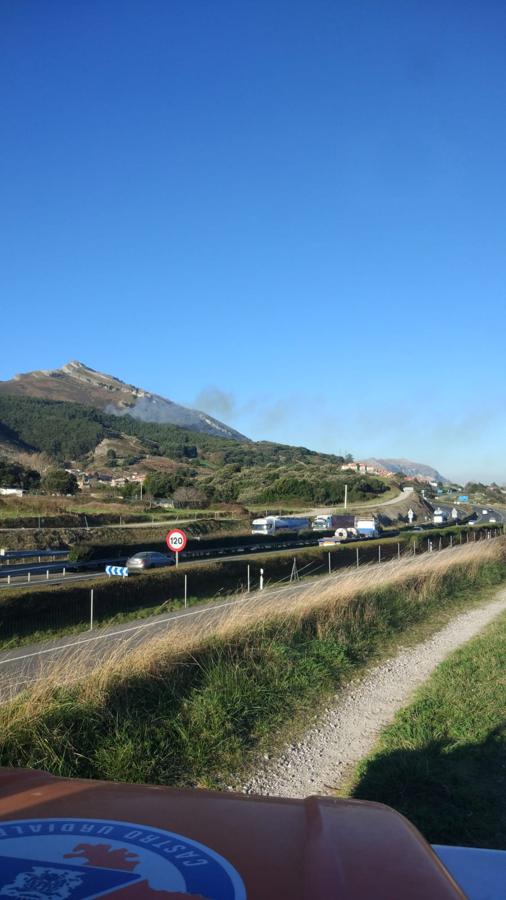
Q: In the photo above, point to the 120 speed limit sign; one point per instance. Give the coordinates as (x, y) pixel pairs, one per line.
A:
(176, 540)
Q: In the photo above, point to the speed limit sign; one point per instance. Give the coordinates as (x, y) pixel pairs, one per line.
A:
(176, 540)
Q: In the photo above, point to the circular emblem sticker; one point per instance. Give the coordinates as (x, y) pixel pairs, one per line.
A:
(79, 859)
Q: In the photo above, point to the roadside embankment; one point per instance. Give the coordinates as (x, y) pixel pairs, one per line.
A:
(125, 538)
(43, 611)
(202, 707)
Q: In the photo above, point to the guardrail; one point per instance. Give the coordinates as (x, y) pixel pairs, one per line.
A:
(6, 555)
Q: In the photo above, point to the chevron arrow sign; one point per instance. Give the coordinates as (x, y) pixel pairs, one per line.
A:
(116, 570)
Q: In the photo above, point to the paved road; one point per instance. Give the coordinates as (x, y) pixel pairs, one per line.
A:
(39, 573)
(483, 518)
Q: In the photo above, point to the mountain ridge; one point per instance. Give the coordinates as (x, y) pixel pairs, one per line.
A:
(409, 467)
(76, 382)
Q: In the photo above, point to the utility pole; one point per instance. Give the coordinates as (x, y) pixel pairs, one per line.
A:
(346, 496)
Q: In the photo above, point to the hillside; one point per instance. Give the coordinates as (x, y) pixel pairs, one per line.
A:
(408, 467)
(77, 383)
(214, 468)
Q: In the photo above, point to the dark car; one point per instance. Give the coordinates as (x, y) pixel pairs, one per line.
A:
(148, 559)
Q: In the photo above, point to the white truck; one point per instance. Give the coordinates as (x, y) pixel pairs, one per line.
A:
(278, 524)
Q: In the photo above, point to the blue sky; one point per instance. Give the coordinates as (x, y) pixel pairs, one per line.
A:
(292, 214)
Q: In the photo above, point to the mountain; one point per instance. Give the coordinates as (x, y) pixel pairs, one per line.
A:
(409, 468)
(77, 383)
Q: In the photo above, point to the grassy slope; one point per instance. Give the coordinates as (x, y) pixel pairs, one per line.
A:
(442, 761)
(198, 709)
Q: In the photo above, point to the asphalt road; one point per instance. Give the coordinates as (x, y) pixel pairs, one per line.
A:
(39, 572)
(483, 518)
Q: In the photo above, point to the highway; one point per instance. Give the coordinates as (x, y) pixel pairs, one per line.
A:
(32, 574)
(66, 573)
(483, 518)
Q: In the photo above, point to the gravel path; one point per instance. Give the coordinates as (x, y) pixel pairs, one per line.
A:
(348, 729)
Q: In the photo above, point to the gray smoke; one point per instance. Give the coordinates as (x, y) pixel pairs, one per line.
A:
(151, 410)
(216, 402)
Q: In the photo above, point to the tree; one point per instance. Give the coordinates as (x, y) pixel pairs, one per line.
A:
(189, 496)
(161, 484)
(58, 481)
(14, 475)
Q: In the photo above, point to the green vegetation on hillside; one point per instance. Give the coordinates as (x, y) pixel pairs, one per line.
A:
(214, 469)
(441, 763)
(14, 475)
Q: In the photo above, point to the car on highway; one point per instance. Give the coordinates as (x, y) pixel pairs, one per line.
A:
(148, 559)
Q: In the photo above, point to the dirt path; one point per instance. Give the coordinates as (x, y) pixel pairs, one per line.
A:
(348, 730)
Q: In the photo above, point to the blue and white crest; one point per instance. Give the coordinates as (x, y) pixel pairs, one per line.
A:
(82, 859)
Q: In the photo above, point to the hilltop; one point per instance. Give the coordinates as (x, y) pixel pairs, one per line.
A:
(408, 467)
(77, 383)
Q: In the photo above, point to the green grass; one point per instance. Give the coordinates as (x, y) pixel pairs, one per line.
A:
(443, 761)
(201, 711)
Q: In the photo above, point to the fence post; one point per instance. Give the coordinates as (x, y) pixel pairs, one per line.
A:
(330, 565)
(440, 543)
(64, 570)
(379, 553)
(261, 579)
(91, 610)
(28, 578)
(185, 591)
(249, 580)
(451, 540)
(398, 551)
(358, 560)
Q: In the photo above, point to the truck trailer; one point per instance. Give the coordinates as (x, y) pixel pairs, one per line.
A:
(363, 527)
(278, 524)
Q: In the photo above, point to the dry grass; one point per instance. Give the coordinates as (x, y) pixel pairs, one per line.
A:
(349, 596)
